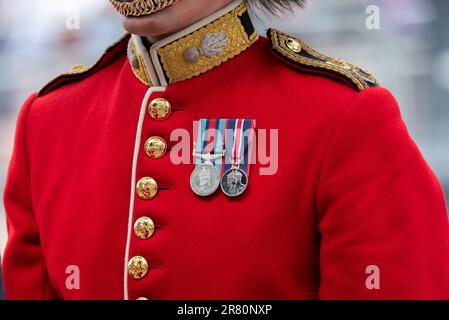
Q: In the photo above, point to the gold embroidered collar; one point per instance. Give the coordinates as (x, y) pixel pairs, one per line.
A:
(194, 50)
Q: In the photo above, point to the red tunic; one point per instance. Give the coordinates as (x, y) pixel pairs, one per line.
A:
(351, 190)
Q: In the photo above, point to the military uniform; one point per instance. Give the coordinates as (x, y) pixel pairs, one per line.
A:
(91, 182)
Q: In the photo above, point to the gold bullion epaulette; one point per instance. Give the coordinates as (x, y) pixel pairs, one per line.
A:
(80, 72)
(301, 56)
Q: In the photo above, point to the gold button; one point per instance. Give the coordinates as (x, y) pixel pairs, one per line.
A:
(79, 68)
(155, 147)
(159, 109)
(144, 228)
(142, 298)
(137, 267)
(294, 45)
(146, 188)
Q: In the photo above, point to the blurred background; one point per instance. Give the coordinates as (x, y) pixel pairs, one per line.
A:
(407, 49)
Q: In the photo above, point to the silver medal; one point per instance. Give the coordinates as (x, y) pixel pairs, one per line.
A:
(234, 182)
(205, 179)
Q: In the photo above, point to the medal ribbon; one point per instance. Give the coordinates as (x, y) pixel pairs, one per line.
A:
(237, 136)
(239, 140)
(207, 139)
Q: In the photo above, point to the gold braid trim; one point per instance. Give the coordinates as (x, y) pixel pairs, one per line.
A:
(360, 78)
(137, 63)
(172, 55)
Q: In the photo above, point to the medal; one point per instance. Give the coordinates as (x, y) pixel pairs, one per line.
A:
(205, 179)
(239, 139)
(231, 139)
(234, 182)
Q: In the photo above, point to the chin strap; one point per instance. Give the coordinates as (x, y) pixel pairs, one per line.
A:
(136, 8)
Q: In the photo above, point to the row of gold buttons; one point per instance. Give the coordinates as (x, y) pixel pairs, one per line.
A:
(155, 147)
(147, 188)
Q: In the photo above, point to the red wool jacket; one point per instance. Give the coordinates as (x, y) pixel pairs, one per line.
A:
(351, 191)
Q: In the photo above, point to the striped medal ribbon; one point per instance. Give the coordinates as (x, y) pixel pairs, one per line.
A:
(239, 138)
